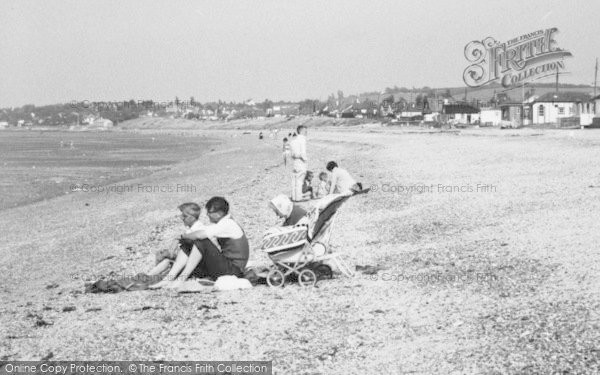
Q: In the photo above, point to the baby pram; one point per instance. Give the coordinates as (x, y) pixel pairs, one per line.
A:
(301, 250)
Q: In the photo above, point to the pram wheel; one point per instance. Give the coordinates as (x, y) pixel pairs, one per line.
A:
(275, 278)
(323, 271)
(307, 277)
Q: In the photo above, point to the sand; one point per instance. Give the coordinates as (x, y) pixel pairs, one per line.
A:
(501, 279)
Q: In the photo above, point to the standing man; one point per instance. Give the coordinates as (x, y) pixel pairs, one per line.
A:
(300, 160)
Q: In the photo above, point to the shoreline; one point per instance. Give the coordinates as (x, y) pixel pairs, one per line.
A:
(39, 168)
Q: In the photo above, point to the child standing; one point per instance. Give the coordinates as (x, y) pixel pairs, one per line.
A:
(286, 151)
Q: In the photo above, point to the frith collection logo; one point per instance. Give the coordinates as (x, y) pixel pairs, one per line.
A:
(523, 59)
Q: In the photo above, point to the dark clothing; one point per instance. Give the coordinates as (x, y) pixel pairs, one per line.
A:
(232, 240)
(297, 214)
(236, 250)
(214, 263)
(306, 187)
(137, 282)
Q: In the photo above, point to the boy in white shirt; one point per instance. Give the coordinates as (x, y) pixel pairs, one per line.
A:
(190, 214)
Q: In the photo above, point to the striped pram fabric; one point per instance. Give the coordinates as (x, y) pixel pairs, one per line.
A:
(319, 227)
(283, 238)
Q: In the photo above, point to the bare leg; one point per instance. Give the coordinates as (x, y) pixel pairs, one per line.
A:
(160, 267)
(192, 261)
(179, 264)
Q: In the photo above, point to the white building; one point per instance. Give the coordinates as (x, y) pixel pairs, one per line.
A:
(491, 116)
(460, 114)
(552, 107)
(102, 123)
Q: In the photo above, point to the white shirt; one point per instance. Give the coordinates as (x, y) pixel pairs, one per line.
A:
(198, 225)
(225, 228)
(195, 227)
(341, 181)
(298, 147)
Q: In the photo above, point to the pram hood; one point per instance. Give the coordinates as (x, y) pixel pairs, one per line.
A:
(323, 212)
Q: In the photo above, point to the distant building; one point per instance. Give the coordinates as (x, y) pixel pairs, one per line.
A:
(460, 114)
(102, 123)
(3, 124)
(558, 107)
(515, 114)
(596, 102)
(491, 116)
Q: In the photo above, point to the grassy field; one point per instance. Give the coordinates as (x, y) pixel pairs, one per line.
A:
(38, 165)
(470, 280)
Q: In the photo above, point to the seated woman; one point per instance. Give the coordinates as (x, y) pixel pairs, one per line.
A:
(286, 209)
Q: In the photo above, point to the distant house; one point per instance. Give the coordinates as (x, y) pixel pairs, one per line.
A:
(558, 107)
(460, 113)
(491, 116)
(515, 114)
(284, 110)
(3, 124)
(102, 123)
(89, 119)
(596, 102)
(412, 110)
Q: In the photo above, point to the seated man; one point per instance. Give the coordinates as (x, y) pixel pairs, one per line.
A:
(341, 181)
(201, 258)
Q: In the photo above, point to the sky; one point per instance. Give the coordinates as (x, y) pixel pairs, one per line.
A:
(61, 51)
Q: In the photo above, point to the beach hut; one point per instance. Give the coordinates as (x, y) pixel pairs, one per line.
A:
(460, 113)
(491, 116)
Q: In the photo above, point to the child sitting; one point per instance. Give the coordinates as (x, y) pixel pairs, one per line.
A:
(307, 189)
(323, 188)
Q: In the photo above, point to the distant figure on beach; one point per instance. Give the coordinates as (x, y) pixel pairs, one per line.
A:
(200, 257)
(286, 151)
(341, 181)
(286, 209)
(260, 135)
(323, 187)
(300, 160)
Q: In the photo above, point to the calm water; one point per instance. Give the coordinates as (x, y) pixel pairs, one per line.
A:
(37, 165)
